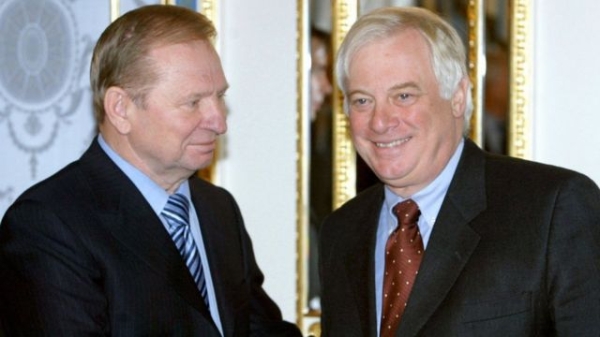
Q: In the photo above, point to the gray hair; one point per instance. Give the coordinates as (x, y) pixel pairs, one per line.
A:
(447, 49)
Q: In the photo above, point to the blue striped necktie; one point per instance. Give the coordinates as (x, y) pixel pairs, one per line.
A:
(178, 217)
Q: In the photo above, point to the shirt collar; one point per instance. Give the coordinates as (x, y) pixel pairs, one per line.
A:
(155, 195)
(431, 197)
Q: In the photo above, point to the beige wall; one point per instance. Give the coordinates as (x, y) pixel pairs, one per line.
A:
(259, 56)
(567, 85)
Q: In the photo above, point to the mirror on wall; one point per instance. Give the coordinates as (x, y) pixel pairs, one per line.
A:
(497, 36)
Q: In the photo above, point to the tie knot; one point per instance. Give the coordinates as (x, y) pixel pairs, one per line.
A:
(407, 212)
(177, 210)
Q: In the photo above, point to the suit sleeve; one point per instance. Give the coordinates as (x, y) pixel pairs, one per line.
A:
(265, 316)
(574, 259)
(48, 282)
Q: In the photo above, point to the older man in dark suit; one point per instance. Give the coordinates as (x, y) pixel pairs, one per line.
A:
(126, 241)
(456, 242)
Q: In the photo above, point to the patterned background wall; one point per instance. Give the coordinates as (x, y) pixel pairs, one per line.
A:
(45, 103)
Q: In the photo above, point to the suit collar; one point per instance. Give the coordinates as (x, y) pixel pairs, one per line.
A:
(451, 243)
(359, 261)
(218, 251)
(233, 268)
(132, 222)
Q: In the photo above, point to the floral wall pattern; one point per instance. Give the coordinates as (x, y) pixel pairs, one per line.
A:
(46, 117)
(45, 109)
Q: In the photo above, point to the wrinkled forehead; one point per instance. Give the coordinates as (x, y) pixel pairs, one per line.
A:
(393, 44)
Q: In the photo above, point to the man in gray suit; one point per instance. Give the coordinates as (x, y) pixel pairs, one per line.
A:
(127, 241)
(488, 245)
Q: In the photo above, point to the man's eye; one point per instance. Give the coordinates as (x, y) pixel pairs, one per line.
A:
(405, 98)
(360, 101)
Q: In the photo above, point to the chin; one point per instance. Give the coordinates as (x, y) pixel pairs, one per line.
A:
(387, 173)
(194, 166)
(203, 166)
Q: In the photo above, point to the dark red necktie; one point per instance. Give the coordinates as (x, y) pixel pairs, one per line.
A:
(403, 253)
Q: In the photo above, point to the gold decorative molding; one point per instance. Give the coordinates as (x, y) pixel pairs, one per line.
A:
(302, 159)
(209, 8)
(115, 9)
(476, 59)
(521, 79)
(345, 13)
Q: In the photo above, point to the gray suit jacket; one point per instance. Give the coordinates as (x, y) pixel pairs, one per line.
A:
(515, 251)
(83, 254)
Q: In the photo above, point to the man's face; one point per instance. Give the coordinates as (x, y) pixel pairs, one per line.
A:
(401, 126)
(175, 134)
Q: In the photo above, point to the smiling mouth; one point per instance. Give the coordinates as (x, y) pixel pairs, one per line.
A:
(392, 144)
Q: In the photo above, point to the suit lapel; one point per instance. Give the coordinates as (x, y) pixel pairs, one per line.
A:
(451, 243)
(360, 263)
(216, 236)
(217, 257)
(133, 223)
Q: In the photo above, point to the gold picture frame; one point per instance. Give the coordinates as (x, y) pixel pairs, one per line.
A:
(344, 13)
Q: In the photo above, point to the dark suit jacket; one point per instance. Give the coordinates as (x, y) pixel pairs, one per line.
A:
(83, 254)
(515, 251)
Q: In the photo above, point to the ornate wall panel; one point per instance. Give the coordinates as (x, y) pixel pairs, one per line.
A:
(45, 109)
(46, 118)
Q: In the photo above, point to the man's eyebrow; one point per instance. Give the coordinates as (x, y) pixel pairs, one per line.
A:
(399, 86)
(207, 93)
(357, 91)
(224, 89)
(405, 85)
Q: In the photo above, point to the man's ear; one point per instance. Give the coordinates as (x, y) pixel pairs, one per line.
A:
(116, 104)
(459, 98)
